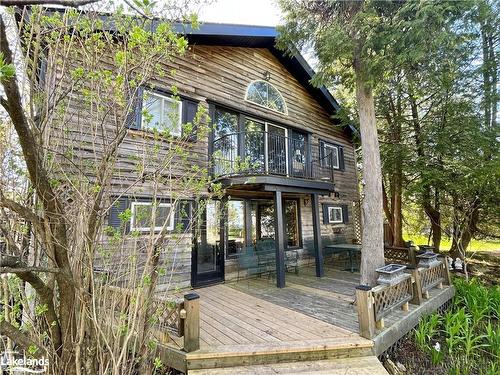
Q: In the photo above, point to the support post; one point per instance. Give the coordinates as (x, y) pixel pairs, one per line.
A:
(417, 287)
(191, 322)
(366, 313)
(248, 223)
(318, 249)
(412, 256)
(279, 234)
(447, 274)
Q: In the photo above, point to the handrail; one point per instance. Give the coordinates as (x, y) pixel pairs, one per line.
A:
(262, 152)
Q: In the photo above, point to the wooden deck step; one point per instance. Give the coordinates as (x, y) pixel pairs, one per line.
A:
(340, 366)
(269, 353)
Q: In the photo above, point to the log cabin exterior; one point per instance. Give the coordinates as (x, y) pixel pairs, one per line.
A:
(287, 170)
(286, 165)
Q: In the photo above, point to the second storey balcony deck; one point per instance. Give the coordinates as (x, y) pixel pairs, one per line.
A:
(271, 157)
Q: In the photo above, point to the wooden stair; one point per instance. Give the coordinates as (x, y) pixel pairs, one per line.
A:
(340, 366)
(308, 356)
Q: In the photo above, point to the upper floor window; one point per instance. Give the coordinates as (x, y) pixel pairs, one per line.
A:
(150, 214)
(266, 95)
(331, 155)
(162, 113)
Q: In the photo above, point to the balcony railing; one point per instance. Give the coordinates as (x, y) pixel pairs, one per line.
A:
(264, 153)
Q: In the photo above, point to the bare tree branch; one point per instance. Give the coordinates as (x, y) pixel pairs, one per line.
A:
(19, 338)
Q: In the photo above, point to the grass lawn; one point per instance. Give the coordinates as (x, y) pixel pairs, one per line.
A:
(475, 245)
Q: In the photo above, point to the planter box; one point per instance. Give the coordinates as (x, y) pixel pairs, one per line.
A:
(391, 274)
(428, 259)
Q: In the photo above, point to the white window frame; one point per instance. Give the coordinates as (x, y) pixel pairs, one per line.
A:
(331, 208)
(262, 105)
(164, 99)
(332, 147)
(170, 226)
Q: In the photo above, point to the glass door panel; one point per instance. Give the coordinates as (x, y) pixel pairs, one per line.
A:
(209, 252)
(254, 146)
(226, 142)
(235, 228)
(277, 150)
(298, 154)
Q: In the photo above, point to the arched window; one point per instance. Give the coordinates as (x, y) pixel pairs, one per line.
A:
(266, 95)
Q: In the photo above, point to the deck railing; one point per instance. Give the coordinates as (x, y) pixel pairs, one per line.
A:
(263, 153)
(171, 317)
(400, 255)
(373, 304)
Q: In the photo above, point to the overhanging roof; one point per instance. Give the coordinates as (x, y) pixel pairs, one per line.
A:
(260, 37)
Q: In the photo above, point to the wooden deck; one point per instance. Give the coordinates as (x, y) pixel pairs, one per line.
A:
(252, 327)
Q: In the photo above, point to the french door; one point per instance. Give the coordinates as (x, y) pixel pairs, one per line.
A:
(277, 149)
(208, 255)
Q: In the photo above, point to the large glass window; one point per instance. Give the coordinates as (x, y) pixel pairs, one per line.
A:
(291, 208)
(265, 95)
(161, 113)
(225, 141)
(149, 214)
(255, 145)
(235, 227)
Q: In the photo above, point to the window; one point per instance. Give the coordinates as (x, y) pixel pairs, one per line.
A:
(292, 223)
(235, 227)
(329, 155)
(266, 95)
(142, 216)
(161, 113)
(335, 215)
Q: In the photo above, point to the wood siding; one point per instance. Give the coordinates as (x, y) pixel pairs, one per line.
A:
(218, 75)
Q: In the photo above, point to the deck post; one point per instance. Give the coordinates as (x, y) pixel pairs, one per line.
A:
(279, 234)
(191, 322)
(318, 249)
(447, 280)
(366, 313)
(417, 287)
(412, 256)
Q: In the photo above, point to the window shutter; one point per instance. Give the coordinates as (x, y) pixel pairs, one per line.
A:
(183, 215)
(341, 158)
(189, 109)
(114, 213)
(345, 213)
(326, 219)
(134, 117)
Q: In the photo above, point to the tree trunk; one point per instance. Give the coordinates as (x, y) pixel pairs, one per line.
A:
(372, 256)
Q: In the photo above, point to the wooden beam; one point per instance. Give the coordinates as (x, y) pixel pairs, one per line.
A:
(417, 287)
(279, 234)
(318, 249)
(192, 322)
(366, 313)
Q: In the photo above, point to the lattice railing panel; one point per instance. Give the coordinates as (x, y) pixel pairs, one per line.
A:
(397, 255)
(388, 297)
(430, 277)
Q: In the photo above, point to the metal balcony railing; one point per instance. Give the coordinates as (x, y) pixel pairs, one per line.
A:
(264, 153)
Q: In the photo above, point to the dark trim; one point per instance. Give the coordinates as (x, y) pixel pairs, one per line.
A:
(279, 239)
(238, 111)
(318, 248)
(287, 184)
(365, 288)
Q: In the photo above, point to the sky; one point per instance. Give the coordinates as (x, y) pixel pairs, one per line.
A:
(244, 12)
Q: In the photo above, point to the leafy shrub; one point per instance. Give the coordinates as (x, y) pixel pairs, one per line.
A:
(468, 333)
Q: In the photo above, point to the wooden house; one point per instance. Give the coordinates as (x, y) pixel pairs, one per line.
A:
(287, 169)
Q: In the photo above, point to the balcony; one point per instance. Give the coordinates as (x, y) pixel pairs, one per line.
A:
(260, 153)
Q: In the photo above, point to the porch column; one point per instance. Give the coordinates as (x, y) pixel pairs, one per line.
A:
(248, 223)
(279, 240)
(318, 249)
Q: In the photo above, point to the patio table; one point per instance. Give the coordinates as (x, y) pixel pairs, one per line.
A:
(343, 248)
